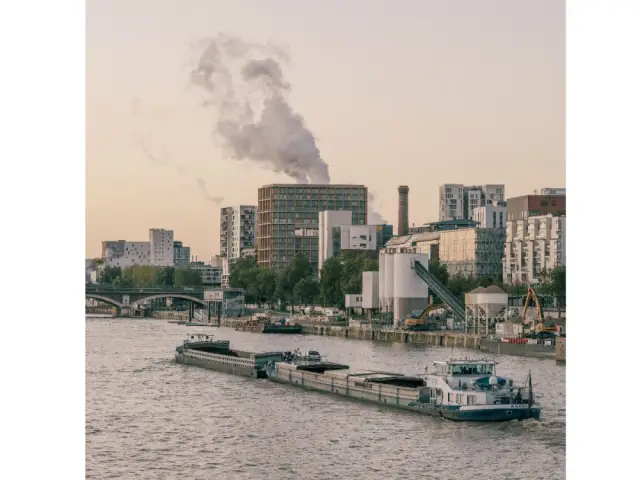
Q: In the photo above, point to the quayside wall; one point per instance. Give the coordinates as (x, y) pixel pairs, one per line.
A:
(445, 339)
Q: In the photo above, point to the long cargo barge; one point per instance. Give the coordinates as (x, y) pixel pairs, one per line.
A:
(204, 351)
(461, 390)
(263, 324)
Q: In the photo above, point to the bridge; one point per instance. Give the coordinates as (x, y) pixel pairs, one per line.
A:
(134, 297)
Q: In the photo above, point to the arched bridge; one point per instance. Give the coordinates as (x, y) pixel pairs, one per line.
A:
(132, 297)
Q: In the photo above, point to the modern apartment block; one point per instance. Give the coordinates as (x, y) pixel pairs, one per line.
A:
(237, 230)
(181, 255)
(521, 208)
(126, 254)
(457, 201)
(288, 220)
(534, 244)
(491, 215)
(161, 247)
(328, 221)
(211, 275)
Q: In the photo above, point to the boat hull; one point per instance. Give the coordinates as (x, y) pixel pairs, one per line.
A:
(219, 366)
(290, 329)
(475, 413)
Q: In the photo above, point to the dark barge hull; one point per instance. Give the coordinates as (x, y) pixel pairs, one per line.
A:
(291, 329)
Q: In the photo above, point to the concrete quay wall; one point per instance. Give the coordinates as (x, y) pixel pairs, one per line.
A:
(561, 350)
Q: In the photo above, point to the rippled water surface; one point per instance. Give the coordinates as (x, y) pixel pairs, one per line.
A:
(148, 417)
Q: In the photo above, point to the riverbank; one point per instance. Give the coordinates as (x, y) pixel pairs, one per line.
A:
(437, 338)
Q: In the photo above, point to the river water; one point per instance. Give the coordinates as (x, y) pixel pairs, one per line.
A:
(148, 417)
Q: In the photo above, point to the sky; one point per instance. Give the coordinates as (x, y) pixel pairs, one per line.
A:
(407, 92)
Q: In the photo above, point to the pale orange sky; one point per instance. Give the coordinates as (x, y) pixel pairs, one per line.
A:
(418, 92)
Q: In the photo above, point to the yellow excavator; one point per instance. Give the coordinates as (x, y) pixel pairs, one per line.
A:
(421, 321)
(539, 324)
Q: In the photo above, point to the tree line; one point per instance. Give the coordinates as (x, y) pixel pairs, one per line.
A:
(144, 276)
(297, 285)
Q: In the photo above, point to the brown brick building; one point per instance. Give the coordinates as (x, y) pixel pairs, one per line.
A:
(520, 208)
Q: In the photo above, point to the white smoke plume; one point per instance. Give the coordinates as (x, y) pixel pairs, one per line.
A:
(252, 115)
(374, 217)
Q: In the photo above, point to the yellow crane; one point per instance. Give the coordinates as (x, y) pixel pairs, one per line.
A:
(538, 324)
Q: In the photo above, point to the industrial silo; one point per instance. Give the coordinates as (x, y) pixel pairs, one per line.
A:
(381, 270)
(388, 281)
(410, 292)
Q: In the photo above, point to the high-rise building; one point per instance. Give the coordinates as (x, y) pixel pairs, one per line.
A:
(457, 201)
(237, 230)
(288, 218)
(384, 233)
(181, 255)
(161, 247)
(328, 220)
(533, 245)
(491, 215)
(131, 253)
(403, 210)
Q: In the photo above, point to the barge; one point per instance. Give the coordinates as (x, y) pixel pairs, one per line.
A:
(205, 351)
(263, 324)
(461, 390)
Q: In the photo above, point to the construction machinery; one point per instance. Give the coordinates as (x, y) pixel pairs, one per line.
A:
(421, 321)
(539, 325)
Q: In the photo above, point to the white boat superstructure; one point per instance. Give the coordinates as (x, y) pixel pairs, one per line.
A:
(471, 387)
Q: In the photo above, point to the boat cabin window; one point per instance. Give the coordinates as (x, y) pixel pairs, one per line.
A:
(471, 369)
(313, 352)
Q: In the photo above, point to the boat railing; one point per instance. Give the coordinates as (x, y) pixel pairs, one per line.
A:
(223, 358)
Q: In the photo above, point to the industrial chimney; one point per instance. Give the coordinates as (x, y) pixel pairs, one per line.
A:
(403, 210)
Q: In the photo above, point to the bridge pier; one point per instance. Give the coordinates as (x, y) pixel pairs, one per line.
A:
(208, 312)
(190, 318)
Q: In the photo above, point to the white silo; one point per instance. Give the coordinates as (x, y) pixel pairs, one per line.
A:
(388, 280)
(410, 292)
(381, 270)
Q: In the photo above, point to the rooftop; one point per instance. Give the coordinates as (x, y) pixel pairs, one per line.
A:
(314, 185)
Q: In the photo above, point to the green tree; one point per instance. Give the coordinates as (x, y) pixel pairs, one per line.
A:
(186, 277)
(109, 274)
(306, 291)
(267, 284)
(164, 277)
(331, 282)
(239, 276)
(353, 264)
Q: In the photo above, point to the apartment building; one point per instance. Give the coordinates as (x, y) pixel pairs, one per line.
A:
(288, 220)
(161, 247)
(237, 230)
(533, 245)
(457, 201)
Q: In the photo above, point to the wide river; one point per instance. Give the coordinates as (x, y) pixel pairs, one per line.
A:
(148, 417)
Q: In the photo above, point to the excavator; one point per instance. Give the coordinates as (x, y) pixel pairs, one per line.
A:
(421, 321)
(539, 325)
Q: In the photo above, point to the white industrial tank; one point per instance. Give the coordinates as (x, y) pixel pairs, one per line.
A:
(381, 279)
(388, 279)
(410, 292)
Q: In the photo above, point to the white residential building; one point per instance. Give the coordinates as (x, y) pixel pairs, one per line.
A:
(492, 215)
(532, 245)
(237, 230)
(161, 247)
(553, 191)
(457, 201)
(127, 254)
(327, 221)
(356, 237)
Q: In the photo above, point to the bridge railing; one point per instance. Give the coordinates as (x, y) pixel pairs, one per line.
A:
(112, 289)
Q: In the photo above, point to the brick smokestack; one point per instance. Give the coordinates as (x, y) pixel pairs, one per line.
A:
(403, 210)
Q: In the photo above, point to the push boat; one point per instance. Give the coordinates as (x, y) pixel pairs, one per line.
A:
(203, 350)
(458, 389)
